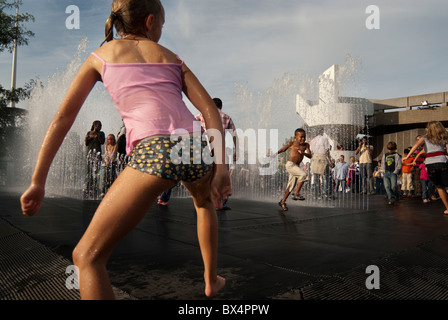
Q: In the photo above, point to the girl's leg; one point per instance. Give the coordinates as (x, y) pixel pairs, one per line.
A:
(119, 212)
(207, 225)
(444, 198)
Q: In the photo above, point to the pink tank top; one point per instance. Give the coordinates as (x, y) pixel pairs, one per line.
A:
(148, 97)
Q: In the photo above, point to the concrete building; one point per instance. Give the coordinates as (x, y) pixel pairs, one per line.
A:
(344, 119)
(402, 119)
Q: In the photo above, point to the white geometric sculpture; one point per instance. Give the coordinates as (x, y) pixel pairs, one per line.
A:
(342, 118)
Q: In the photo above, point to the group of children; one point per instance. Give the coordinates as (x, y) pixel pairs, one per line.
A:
(413, 173)
(433, 171)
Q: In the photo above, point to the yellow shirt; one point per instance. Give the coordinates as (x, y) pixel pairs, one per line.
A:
(364, 154)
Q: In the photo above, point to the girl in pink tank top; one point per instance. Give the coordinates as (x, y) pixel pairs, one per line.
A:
(146, 82)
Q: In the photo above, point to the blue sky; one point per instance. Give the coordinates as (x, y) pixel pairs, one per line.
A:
(254, 42)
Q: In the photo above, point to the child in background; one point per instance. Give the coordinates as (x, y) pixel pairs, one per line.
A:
(391, 166)
(378, 175)
(297, 150)
(427, 185)
(407, 166)
(351, 176)
(436, 141)
(146, 82)
(110, 161)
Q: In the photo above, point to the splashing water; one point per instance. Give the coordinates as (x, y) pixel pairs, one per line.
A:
(68, 171)
(276, 108)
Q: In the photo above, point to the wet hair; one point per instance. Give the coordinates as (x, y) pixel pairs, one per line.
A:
(95, 123)
(129, 16)
(392, 145)
(436, 133)
(299, 130)
(218, 103)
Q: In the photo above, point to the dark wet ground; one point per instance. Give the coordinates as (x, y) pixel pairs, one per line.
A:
(311, 252)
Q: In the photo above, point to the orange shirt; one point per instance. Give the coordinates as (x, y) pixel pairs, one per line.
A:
(407, 169)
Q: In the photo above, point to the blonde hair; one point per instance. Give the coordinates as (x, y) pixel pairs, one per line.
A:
(436, 133)
(111, 135)
(129, 16)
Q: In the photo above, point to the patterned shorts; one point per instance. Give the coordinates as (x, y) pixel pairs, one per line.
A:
(169, 159)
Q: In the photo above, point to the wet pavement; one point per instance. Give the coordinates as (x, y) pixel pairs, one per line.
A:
(315, 251)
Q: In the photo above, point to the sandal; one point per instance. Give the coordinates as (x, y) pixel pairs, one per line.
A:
(283, 205)
(298, 197)
(162, 203)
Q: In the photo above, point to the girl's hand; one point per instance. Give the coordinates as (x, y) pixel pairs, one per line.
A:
(220, 187)
(31, 200)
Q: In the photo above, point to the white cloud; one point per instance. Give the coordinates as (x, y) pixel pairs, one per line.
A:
(254, 42)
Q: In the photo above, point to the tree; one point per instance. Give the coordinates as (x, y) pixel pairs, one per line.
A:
(12, 119)
(9, 32)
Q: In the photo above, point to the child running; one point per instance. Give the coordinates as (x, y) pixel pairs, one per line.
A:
(297, 150)
(145, 81)
(436, 141)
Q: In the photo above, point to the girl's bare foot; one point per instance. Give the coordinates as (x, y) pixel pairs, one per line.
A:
(212, 288)
(446, 212)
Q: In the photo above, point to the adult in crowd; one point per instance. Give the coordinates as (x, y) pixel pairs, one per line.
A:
(365, 165)
(320, 150)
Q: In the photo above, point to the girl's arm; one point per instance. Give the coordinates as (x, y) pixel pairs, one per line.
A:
(200, 98)
(80, 88)
(417, 156)
(419, 143)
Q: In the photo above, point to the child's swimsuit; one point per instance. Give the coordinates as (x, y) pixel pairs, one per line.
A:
(171, 159)
(148, 97)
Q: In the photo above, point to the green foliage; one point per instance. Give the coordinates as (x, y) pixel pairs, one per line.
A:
(9, 32)
(12, 119)
(6, 96)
